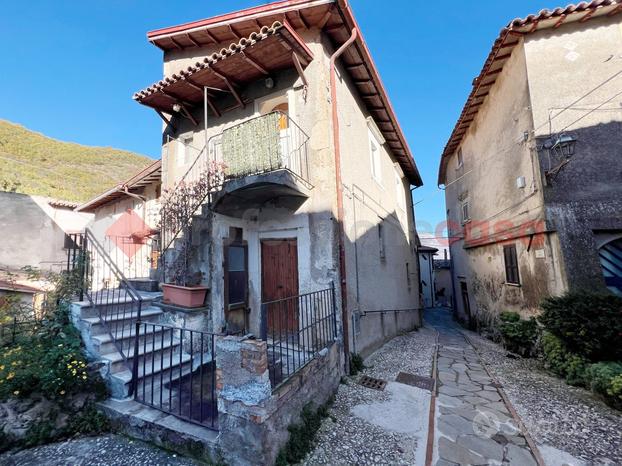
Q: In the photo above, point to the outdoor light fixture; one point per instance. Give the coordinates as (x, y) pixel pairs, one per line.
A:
(176, 108)
(269, 83)
(564, 146)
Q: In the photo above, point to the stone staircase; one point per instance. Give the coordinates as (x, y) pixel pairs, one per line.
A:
(158, 345)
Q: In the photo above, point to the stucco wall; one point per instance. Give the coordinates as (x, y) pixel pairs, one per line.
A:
(498, 149)
(34, 232)
(572, 71)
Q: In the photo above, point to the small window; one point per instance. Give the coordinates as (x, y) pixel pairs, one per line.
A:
(460, 159)
(408, 275)
(236, 275)
(183, 150)
(465, 213)
(399, 191)
(374, 154)
(381, 242)
(511, 264)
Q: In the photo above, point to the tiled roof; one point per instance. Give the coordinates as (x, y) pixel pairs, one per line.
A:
(336, 19)
(235, 47)
(509, 37)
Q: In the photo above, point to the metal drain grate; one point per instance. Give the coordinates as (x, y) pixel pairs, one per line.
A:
(425, 383)
(370, 382)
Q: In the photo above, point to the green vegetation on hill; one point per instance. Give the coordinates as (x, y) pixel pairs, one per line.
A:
(32, 163)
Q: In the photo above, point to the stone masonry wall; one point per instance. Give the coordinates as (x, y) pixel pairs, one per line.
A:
(253, 419)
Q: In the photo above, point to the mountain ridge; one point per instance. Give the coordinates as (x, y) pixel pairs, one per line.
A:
(33, 163)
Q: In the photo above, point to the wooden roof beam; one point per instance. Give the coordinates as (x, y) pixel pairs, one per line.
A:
(302, 19)
(165, 119)
(299, 69)
(231, 87)
(211, 36)
(587, 16)
(325, 18)
(212, 106)
(192, 39)
(616, 10)
(233, 32)
(560, 21)
(189, 115)
(177, 45)
(253, 62)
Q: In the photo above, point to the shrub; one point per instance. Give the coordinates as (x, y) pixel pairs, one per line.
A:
(50, 362)
(562, 362)
(589, 324)
(519, 336)
(605, 379)
(356, 364)
(302, 435)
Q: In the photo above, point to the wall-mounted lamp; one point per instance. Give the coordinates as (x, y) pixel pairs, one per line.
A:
(176, 108)
(269, 82)
(564, 146)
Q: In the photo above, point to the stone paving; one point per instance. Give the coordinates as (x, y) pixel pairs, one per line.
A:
(473, 425)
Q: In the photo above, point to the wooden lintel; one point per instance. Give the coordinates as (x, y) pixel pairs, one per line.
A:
(189, 115)
(253, 62)
(165, 119)
(587, 16)
(325, 18)
(176, 44)
(299, 69)
(211, 36)
(193, 40)
(302, 19)
(559, 22)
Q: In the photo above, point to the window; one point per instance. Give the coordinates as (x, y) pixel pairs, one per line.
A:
(465, 213)
(374, 157)
(408, 276)
(236, 275)
(183, 150)
(511, 264)
(460, 159)
(381, 243)
(399, 191)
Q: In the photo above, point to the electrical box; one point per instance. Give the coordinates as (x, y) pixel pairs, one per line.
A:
(520, 182)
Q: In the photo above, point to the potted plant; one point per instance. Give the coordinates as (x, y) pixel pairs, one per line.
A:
(188, 293)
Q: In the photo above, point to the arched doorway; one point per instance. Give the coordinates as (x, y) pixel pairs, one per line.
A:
(610, 255)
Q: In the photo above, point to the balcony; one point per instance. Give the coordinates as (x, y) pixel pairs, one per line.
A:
(265, 161)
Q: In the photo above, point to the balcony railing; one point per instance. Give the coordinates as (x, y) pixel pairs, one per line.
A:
(260, 145)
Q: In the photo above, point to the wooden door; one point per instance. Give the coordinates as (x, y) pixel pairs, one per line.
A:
(279, 280)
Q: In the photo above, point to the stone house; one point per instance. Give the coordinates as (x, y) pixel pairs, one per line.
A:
(286, 198)
(531, 170)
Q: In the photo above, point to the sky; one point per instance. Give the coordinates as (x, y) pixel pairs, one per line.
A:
(68, 69)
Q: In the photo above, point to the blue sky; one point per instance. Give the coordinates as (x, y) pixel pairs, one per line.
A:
(69, 68)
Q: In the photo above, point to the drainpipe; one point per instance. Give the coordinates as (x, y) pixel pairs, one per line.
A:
(339, 187)
(142, 199)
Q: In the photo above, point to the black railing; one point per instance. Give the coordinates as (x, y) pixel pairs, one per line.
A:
(12, 330)
(176, 372)
(112, 298)
(296, 330)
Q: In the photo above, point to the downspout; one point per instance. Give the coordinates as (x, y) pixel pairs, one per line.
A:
(142, 199)
(339, 187)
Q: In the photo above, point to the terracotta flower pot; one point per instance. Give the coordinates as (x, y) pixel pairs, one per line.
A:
(184, 296)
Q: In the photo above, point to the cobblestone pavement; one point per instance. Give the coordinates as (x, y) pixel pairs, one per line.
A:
(557, 416)
(371, 427)
(473, 425)
(106, 450)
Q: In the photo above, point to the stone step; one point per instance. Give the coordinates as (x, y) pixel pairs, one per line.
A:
(104, 342)
(118, 305)
(121, 323)
(148, 351)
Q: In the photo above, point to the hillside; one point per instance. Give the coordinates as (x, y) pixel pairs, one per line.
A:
(32, 163)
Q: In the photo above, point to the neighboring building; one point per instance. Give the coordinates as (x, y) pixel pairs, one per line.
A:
(426, 275)
(531, 170)
(20, 299)
(286, 193)
(443, 283)
(125, 221)
(34, 231)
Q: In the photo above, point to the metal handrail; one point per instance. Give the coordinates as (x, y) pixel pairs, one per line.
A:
(89, 247)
